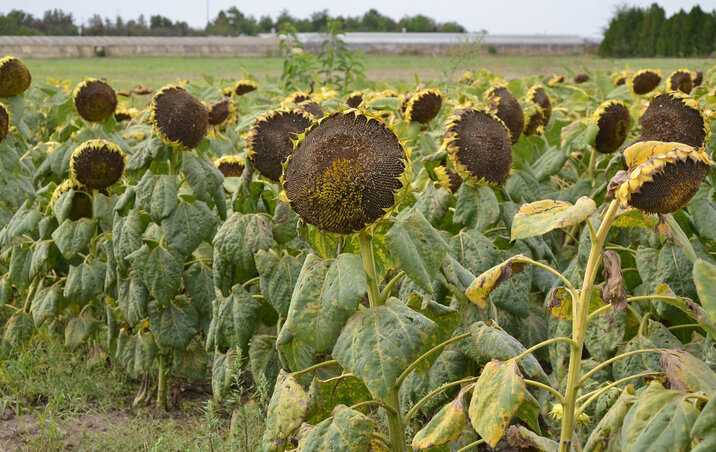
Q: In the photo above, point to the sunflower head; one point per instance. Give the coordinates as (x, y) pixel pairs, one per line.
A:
(143, 90)
(230, 165)
(245, 86)
(4, 122)
(125, 114)
(220, 110)
(478, 143)
(620, 78)
(94, 100)
(581, 78)
(270, 140)
(661, 177)
(698, 78)
(423, 105)
(97, 164)
(556, 79)
(534, 119)
(296, 98)
(504, 105)
(15, 77)
(680, 80)
(179, 118)
(354, 99)
(348, 171)
(123, 93)
(313, 109)
(674, 116)
(448, 178)
(613, 119)
(538, 95)
(81, 200)
(645, 81)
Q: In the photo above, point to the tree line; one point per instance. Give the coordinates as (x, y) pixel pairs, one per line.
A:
(229, 22)
(647, 32)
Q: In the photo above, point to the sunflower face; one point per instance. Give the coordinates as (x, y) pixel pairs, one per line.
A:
(619, 78)
(662, 177)
(230, 165)
(508, 109)
(479, 144)
(676, 117)
(645, 81)
(613, 120)
(423, 106)
(94, 100)
(311, 108)
(354, 99)
(448, 178)
(346, 172)
(539, 96)
(97, 164)
(125, 114)
(15, 77)
(295, 98)
(4, 122)
(534, 118)
(680, 80)
(698, 78)
(269, 141)
(179, 118)
(81, 200)
(219, 111)
(581, 78)
(245, 86)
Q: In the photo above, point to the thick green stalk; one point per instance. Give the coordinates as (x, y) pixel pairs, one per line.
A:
(592, 165)
(366, 254)
(162, 383)
(396, 425)
(680, 237)
(579, 326)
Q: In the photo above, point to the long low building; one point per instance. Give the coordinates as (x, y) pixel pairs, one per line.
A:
(268, 45)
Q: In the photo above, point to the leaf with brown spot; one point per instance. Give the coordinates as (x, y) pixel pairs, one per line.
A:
(613, 292)
(635, 219)
(685, 372)
(499, 395)
(483, 285)
(445, 426)
(705, 281)
(688, 306)
(286, 411)
(543, 216)
(522, 439)
(559, 302)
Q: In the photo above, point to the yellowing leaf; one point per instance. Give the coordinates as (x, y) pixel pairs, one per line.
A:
(560, 303)
(286, 411)
(543, 216)
(445, 426)
(483, 285)
(687, 373)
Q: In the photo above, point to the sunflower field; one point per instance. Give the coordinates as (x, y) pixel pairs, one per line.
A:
(479, 264)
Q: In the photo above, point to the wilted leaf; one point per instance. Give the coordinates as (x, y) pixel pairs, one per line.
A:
(233, 321)
(560, 303)
(45, 304)
(705, 280)
(445, 426)
(157, 194)
(84, 282)
(191, 363)
(483, 285)
(685, 372)
(705, 427)
(18, 329)
(543, 216)
(188, 225)
(607, 434)
(279, 275)
(173, 325)
(73, 236)
(349, 431)
(79, 329)
(160, 269)
(525, 440)
(285, 412)
(326, 394)
(613, 292)
(136, 352)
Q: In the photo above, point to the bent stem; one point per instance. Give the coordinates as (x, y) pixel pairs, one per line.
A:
(366, 254)
(579, 328)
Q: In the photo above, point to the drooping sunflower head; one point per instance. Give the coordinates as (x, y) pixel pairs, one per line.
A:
(81, 200)
(97, 164)
(506, 107)
(313, 109)
(645, 81)
(348, 171)
(581, 78)
(15, 77)
(143, 90)
(613, 119)
(423, 106)
(220, 110)
(230, 165)
(179, 118)
(556, 79)
(478, 143)
(674, 116)
(125, 114)
(661, 177)
(94, 100)
(295, 98)
(698, 78)
(245, 86)
(680, 80)
(354, 99)
(270, 140)
(620, 78)
(534, 118)
(448, 178)
(539, 96)
(4, 122)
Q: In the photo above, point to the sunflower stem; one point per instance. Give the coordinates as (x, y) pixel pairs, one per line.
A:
(592, 165)
(162, 383)
(579, 324)
(366, 254)
(395, 423)
(680, 237)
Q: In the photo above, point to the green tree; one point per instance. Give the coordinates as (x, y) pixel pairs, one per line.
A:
(654, 18)
(417, 23)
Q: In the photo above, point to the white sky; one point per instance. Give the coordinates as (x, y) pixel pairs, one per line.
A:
(496, 16)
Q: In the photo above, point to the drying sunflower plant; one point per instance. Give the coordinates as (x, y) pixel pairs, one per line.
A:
(489, 264)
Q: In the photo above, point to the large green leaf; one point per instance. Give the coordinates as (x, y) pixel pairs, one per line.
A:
(543, 216)
(705, 427)
(84, 282)
(446, 318)
(279, 275)
(499, 395)
(263, 357)
(126, 235)
(637, 363)
(46, 304)
(24, 221)
(188, 225)
(199, 285)
(222, 373)
(132, 301)
(325, 394)
(417, 249)
(191, 363)
(607, 434)
(660, 419)
(20, 262)
(79, 329)
(73, 236)
(379, 343)
(326, 294)
(234, 321)
(704, 213)
(474, 251)
(173, 325)
(157, 194)
(286, 410)
(445, 426)
(18, 329)
(348, 431)
(705, 280)
(205, 180)
(136, 352)
(160, 269)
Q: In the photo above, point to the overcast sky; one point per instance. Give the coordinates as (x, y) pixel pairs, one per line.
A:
(495, 16)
